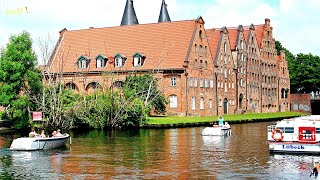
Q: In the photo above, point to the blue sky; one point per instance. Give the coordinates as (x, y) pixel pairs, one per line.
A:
(295, 22)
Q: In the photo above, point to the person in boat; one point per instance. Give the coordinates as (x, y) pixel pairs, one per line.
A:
(43, 135)
(226, 125)
(315, 170)
(33, 133)
(220, 120)
(58, 133)
(215, 125)
(54, 133)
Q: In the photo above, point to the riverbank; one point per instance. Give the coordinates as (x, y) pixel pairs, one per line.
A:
(177, 122)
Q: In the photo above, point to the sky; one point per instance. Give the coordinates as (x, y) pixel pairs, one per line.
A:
(295, 23)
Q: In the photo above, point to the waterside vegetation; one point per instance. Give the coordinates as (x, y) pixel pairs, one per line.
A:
(231, 118)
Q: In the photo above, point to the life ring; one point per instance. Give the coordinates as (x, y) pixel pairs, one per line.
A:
(277, 131)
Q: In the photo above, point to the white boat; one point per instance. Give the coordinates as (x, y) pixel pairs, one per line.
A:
(296, 135)
(217, 131)
(38, 143)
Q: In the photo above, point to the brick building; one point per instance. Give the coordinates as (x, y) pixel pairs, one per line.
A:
(201, 71)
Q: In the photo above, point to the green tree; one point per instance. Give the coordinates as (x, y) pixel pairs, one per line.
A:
(145, 87)
(20, 81)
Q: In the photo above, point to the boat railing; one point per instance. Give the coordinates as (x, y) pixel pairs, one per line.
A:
(271, 128)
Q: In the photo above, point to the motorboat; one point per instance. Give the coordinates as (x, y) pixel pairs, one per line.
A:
(295, 135)
(39, 143)
(217, 130)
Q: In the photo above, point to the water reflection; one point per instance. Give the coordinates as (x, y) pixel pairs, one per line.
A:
(157, 154)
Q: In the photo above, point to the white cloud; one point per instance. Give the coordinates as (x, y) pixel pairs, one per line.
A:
(294, 21)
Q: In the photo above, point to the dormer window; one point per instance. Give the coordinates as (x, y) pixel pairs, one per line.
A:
(83, 62)
(119, 60)
(101, 61)
(138, 59)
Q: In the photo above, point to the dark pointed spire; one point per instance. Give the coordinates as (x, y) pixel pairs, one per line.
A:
(164, 15)
(129, 15)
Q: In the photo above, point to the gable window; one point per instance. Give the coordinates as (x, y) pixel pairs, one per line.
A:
(191, 82)
(119, 60)
(206, 83)
(101, 61)
(138, 59)
(200, 49)
(201, 82)
(201, 103)
(200, 66)
(83, 62)
(195, 63)
(173, 81)
(225, 48)
(211, 83)
(205, 64)
(173, 101)
(193, 103)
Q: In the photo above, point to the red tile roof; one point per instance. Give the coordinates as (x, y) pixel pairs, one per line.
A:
(165, 45)
(233, 34)
(213, 38)
(259, 29)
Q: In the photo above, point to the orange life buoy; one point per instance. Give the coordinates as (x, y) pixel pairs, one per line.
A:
(277, 131)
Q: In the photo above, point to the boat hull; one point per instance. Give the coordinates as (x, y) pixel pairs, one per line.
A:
(294, 147)
(29, 144)
(216, 131)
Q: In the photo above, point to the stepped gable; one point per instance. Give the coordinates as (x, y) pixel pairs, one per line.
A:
(164, 15)
(129, 16)
(258, 29)
(165, 46)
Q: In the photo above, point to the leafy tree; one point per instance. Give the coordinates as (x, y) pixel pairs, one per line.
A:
(145, 88)
(303, 69)
(20, 80)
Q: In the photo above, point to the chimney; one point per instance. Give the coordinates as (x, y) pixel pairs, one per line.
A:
(129, 15)
(164, 15)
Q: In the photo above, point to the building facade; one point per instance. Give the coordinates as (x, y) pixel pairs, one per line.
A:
(202, 72)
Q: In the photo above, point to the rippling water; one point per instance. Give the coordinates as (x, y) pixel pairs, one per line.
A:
(156, 154)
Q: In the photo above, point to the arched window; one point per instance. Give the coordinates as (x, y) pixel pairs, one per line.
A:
(200, 34)
(173, 101)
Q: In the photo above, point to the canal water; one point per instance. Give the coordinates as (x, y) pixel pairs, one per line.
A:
(180, 153)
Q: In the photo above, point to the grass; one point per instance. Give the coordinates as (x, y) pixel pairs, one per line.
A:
(228, 117)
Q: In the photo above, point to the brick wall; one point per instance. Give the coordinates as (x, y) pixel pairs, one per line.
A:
(300, 102)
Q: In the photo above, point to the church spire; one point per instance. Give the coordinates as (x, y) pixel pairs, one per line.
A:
(129, 15)
(164, 15)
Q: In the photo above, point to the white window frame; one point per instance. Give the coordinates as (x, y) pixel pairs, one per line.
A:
(193, 103)
(210, 103)
(118, 62)
(195, 82)
(211, 83)
(83, 64)
(173, 81)
(173, 99)
(201, 82)
(206, 83)
(191, 82)
(137, 61)
(201, 103)
(100, 63)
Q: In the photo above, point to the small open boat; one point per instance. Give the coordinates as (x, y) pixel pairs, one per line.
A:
(217, 131)
(38, 143)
